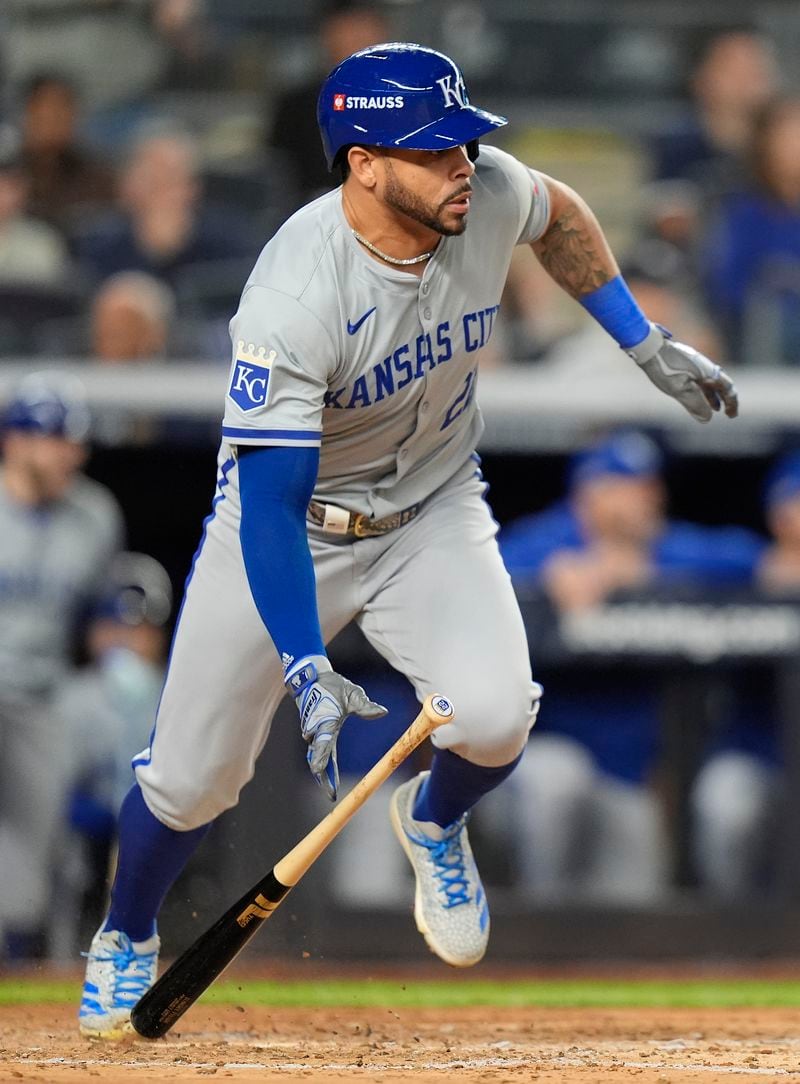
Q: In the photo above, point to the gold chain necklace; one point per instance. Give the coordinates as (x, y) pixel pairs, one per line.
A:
(390, 259)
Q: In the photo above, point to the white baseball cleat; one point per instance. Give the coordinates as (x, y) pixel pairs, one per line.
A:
(450, 906)
(118, 972)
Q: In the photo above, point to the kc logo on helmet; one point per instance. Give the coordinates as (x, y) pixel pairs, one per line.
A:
(455, 93)
(250, 379)
(338, 102)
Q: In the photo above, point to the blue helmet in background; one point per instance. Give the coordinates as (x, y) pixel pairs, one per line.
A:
(138, 590)
(626, 453)
(51, 404)
(783, 480)
(398, 95)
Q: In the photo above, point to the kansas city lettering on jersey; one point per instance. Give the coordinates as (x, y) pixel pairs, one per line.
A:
(412, 360)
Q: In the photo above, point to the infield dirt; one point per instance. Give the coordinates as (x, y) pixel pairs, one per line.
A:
(471, 1046)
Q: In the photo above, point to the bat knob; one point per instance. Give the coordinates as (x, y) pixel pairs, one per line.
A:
(440, 707)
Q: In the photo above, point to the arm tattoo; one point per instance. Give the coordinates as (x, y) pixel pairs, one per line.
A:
(574, 253)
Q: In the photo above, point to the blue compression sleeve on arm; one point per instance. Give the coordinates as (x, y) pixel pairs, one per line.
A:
(614, 308)
(276, 485)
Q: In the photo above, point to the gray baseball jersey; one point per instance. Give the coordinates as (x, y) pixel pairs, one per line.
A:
(52, 563)
(378, 366)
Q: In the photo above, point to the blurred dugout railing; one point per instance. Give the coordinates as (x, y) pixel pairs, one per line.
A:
(526, 410)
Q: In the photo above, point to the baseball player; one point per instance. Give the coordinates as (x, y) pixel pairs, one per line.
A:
(59, 531)
(106, 711)
(349, 488)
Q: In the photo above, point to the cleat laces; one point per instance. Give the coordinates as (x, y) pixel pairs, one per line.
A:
(132, 972)
(447, 855)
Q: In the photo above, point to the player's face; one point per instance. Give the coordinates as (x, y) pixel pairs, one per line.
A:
(784, 522)
(430, 187)
(49, 463)
(621, 509)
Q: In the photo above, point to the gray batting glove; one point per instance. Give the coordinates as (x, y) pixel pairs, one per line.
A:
(324, 700)
(680, 371)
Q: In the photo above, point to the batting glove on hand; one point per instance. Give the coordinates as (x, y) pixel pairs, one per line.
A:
(324, 700)
(680, 371)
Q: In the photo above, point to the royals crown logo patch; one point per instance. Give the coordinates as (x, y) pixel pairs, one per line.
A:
(250, 380)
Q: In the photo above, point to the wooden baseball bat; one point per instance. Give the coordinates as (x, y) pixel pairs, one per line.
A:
(194, 971)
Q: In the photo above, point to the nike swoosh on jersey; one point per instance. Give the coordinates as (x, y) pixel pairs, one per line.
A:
(353, 328)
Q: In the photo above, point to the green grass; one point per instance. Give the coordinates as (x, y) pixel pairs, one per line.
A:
(366, 993)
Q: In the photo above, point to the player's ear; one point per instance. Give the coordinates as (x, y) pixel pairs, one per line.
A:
(361, 161)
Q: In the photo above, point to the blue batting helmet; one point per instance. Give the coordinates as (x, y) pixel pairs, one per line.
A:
(398, 95)
(51, 404)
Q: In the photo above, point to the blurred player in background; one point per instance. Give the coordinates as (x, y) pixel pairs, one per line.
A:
(106, 709)
(59, 531)
(348, 488)
(738, 795)
(587, 815)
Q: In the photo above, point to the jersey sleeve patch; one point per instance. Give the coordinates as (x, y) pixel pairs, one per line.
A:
(249, 387)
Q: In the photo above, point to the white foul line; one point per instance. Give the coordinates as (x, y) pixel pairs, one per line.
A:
(590, 1061)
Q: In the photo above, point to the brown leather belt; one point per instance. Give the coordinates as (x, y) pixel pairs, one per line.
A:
(342, 522)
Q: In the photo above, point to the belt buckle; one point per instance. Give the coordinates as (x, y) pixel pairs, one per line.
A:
(361, 525)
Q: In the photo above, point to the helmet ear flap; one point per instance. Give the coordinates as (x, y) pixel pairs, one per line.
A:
(473, 150)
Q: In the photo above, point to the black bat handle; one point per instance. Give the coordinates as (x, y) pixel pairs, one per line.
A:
(194, 971)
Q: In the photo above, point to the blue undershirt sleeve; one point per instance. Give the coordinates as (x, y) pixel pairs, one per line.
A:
(276, 484)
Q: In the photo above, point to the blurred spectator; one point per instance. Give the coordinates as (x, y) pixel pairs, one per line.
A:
(133, 317)
(107, 709)
(164, 226)
(734, 75)
(738, 793)
(672, 211)
(345, 26)
(663, 285)
(586, 815)
(112, 51)
(750, 256)
(195, 58)
(132, 314)
(64, 177)
(30, 250)
(60, 530)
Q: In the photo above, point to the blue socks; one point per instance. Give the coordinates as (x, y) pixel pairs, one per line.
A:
(151, 856)
(454, 786)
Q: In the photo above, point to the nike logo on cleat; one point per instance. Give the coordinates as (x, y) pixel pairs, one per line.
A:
(353, 328)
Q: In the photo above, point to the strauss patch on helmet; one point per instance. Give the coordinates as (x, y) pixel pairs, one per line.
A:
(374, 101)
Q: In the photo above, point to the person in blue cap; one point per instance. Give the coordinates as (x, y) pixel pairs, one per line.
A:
(738, 791)
(60, 531)
(588, 818)
(779, 571)
(611, 531)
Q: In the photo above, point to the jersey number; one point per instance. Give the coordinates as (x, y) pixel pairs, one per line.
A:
(461, 401)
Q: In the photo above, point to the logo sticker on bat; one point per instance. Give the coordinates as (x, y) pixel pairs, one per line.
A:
(261, 907)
